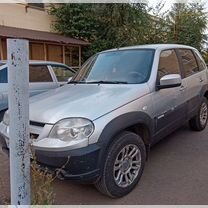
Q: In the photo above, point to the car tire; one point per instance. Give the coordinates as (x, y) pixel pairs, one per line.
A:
(199, 122)
(127, 154)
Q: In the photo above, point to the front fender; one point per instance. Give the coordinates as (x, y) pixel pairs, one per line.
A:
(123, 122)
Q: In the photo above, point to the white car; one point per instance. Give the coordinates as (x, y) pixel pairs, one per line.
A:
(44, 75)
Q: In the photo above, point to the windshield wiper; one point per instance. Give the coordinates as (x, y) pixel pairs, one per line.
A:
(76, 82)
(97, 82)
(106, 82)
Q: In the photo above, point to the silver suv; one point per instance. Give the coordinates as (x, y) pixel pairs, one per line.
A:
(99, 128)
(44, 75)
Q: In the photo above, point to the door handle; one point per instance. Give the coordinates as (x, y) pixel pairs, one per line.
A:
(182, 88)
(201, 79)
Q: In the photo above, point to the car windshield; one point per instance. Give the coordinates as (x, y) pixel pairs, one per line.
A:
(120, 66)
(3, 74)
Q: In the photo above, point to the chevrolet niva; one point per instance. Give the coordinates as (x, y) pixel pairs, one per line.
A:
(120, 103)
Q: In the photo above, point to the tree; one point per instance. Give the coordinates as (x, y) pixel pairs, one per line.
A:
(108, 26)
(75, 20)
(187, 24)
(158, 27)
(103, 25)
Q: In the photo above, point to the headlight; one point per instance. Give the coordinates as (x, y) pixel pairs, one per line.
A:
(6, 118)
(72, 128)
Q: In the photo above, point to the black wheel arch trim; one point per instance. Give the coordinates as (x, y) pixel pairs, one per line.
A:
(204, 90)
(123, 122)
(117, 125)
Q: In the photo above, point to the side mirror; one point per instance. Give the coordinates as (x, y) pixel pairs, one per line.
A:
(170, 81)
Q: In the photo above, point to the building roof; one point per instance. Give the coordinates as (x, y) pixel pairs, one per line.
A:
(13, 32)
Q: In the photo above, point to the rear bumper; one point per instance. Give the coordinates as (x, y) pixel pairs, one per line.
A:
(79, 165)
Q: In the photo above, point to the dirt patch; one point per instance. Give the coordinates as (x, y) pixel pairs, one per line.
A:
(4, 177)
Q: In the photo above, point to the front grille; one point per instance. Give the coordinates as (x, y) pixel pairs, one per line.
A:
(33, 136)
(36, 129)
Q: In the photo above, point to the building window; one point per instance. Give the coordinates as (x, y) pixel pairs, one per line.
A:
(72, 56)
(4, 49)
(36, 5)
(55, 53)
(36, 51)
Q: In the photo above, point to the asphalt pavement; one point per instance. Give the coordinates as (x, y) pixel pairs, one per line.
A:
(176, 173)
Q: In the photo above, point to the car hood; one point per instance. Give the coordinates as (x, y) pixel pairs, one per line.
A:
(83, 100)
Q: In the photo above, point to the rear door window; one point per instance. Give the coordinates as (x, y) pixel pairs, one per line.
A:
(62, 73)
(200, 61)
(189, 62)
(168, 63)
(40, 73)
(3, 75)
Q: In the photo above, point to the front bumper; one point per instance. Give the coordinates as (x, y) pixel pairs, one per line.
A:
(79, 165)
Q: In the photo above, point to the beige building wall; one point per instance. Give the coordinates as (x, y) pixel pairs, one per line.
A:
(22, 16)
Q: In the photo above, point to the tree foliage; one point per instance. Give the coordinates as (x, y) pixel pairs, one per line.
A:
(187, 24)
(103, 25)
(113, 25)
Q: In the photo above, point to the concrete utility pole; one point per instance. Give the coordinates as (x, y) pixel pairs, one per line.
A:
(18, 78)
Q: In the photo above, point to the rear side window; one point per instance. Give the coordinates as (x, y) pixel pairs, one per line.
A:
(62, 73)
(40, 73)
(168, 63)
(3, 75)
(202, 65)
(189, 62)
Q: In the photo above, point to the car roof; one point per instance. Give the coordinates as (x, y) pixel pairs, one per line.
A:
(40, 62)
(152, 46)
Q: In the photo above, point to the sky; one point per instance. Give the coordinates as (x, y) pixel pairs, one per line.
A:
(153, 2)
(168, 3)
